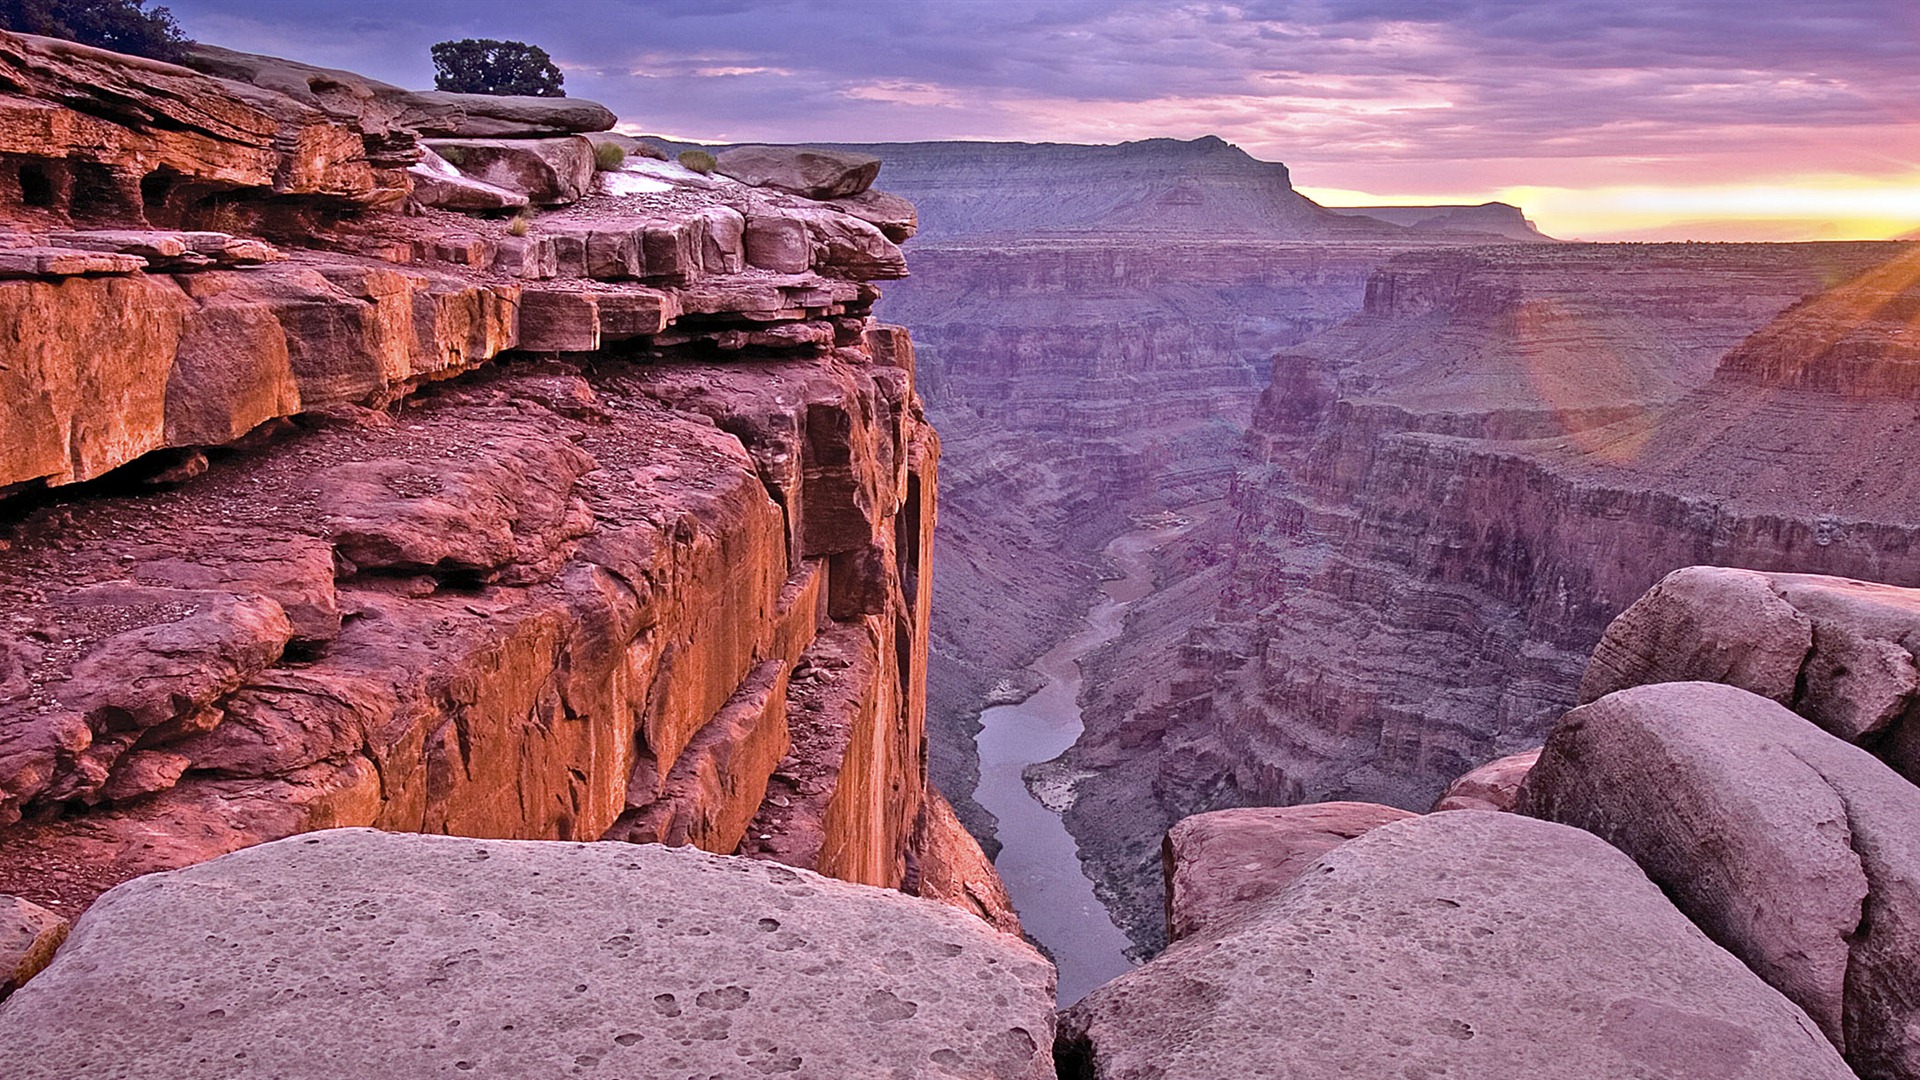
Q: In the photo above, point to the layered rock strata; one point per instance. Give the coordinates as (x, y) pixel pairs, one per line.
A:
(1457, 488)
(361, 953)
(1477, 944)
(611, 521)
(1791, 848)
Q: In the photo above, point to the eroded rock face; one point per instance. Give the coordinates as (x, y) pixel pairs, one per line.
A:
(667, 963)
(1466, 944)
(663, 577)
(133, 140)
(1798, 852)
(1221, 865)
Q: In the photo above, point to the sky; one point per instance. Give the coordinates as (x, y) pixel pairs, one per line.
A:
(1640, 119)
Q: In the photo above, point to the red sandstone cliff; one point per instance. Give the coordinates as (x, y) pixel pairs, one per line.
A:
(613, 522)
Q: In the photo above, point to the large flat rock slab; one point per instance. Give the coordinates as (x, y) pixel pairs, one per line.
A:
(1455, 945)
(355, 953)
(1795, 850)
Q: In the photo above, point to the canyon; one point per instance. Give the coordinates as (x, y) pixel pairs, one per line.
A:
(460, 567)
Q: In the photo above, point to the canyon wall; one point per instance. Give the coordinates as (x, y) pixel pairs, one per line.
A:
(1454, 491)
(327, 505)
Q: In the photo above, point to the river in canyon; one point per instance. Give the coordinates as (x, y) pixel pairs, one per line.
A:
(1038, 858)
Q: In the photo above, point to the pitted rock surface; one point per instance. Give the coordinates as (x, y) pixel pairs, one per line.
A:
(1457, 945)
(1795, 850)
(1221, 865)
(356, 953)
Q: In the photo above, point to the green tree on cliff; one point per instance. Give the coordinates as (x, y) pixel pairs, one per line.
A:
(485, 66)
(121, 25)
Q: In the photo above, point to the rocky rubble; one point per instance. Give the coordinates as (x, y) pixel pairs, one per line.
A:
(355, 953)
(611, 522)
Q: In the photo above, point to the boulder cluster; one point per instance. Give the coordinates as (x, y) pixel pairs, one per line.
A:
(1709, 870)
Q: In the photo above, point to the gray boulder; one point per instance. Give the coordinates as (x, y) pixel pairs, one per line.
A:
(1456, 945)
(549, 172)
(355, 953)
(814, 173)
(1842, 653)
(1795, 850)
(483, 116)
(891, 214)
(1220, 865)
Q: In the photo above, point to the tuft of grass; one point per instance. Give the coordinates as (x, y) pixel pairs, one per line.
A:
(698, 160)
(609, 156)
(519, 225)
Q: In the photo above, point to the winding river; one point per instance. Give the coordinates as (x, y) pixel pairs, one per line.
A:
(1038, 857)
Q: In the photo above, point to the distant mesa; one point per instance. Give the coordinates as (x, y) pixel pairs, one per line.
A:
(1501, 219)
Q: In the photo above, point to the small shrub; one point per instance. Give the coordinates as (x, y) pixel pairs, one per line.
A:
(519, 225)
(698, 160)
(609, 156)
(455, 156)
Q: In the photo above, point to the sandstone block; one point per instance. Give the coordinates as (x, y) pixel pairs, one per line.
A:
(549, 172)
(56, 262)
(1839, 652)
(486, 116)
(513, 506)
(777, 243)
(1493, 786)
(1798, 852)
(814, 173)
(29, 934)
(1483, 945)
(559, 320)
(1221, 865)
(354, 953)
